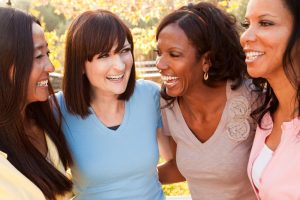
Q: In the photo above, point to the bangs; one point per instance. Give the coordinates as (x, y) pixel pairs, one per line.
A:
(104, 33)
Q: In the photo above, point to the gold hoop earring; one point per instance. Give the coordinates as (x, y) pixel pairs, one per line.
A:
(205, 76)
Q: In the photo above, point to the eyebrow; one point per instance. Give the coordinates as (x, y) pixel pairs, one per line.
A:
(127, 45)
(266, 15)
(263, 15)
(41, 46)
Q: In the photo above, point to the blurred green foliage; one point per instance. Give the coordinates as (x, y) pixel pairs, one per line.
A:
(142, 16)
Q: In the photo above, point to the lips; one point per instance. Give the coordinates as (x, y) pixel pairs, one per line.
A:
(168, 78)
(115, 77)
(169, 81)
(43, 83)
(253, 55)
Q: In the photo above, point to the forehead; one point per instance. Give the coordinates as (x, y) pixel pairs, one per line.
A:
(117, 45)
(38, 36)
(275, 8)
(173, 35)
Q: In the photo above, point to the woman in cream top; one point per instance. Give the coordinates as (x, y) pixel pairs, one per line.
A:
(32, 163)
(15, 186)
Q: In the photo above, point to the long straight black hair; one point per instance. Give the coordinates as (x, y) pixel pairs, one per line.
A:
(16, 60)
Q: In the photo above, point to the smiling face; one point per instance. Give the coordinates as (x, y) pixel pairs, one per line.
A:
(181, 70)
(268, 26)
(108, 73)
(42, 66)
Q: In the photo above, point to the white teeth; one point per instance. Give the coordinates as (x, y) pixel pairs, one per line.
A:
(168, 78)
(115, 77)
(42, 83)
(252, 55)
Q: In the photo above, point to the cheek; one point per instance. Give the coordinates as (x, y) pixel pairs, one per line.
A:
(94, 71)
(243, 39)
(34, 75)
(128, 60)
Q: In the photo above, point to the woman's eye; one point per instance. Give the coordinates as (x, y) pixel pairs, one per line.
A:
(157, 52)
(48, 53)
(245, 24)
(125, 50)
(266, 23)
(105, 55)
(173, 54)
(39, 56)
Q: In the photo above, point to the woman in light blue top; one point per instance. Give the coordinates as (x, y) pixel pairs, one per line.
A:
(110, 120)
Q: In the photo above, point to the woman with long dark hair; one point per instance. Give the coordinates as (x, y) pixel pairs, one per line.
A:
(271, 42)
(33, 151)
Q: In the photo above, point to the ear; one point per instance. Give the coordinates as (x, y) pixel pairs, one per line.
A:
(205, 61)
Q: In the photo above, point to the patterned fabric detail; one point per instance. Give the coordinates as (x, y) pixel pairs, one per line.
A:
(238, 127)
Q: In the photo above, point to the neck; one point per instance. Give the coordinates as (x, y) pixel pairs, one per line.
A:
(286, 95)
(108, 109)
(205, 100)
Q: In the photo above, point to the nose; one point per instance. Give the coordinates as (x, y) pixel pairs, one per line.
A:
(118, 63)
(161, 63)
(249, 35)
(49, 66)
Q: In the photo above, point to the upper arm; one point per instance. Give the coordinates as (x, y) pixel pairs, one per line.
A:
(165, 146)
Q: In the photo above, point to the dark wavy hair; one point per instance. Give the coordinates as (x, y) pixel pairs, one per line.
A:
(16, 61)
(212, 30)
(290, 65)
(89, 34)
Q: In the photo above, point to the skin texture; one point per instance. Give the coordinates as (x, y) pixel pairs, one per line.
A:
(177, 60)
(106, 65)
(268, 27)
(108, 74)
(182, 73)
(41, 68)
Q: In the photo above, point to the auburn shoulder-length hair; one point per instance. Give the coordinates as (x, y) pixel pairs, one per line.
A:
(91, 33)
(212, 30)
(16, 61)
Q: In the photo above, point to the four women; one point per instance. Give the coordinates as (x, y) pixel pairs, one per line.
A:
(111, 121)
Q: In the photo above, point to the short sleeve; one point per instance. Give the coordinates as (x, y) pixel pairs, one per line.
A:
(165, 124)
(158, 108)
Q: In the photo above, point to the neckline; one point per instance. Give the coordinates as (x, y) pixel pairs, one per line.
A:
(114, 127)
(267, 125)
(104, 129)
(267, 149)
(211, 140)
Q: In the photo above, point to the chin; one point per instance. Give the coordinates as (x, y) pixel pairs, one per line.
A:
(119, 92)
(172, 94)
(43, 100)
